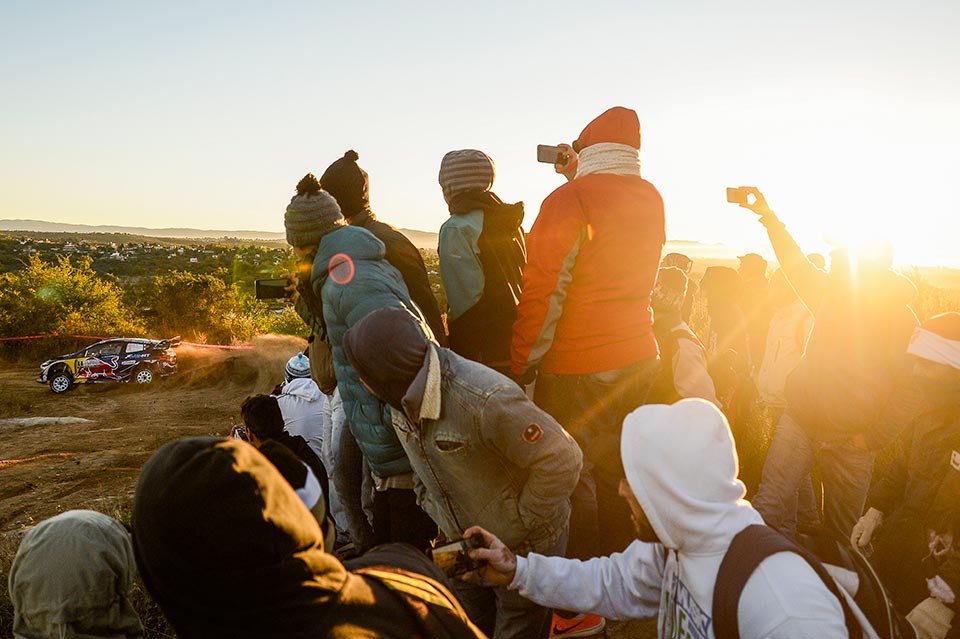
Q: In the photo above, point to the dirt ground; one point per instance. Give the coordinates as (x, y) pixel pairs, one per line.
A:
(47, 469)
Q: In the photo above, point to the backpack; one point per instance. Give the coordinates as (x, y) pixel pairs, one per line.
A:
(868, 613)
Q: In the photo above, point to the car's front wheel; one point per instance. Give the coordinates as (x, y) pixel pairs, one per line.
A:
(61, 382)
(144, 376)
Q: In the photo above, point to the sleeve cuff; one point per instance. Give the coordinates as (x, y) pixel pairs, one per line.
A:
(520, 575)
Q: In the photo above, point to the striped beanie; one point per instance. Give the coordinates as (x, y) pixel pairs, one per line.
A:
(466, 170)
(297, 366)
(311, 214)
(938, 340)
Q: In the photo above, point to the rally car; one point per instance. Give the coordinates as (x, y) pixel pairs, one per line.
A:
(112, 360)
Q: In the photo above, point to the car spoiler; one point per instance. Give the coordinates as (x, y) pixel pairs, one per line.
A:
(170, 342)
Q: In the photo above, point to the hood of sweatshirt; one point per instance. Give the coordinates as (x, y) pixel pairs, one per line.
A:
(304, 388)
(682, 466)
(226, 547)
(618, 125)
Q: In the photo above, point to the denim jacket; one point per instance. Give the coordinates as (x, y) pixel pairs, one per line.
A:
(484, 454)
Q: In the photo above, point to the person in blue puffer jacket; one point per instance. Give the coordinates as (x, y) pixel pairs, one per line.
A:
(349, 278)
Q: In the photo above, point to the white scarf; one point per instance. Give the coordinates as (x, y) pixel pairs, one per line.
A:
(609, 157)
(936, 348)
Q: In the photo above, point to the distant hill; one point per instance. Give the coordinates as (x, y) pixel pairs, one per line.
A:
(421, 239)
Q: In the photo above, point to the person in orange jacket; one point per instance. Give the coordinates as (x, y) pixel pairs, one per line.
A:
(584, 323)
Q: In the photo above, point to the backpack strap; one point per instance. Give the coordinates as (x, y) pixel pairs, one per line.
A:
(748, 549)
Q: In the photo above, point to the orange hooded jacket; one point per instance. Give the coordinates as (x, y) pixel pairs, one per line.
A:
(592, 261)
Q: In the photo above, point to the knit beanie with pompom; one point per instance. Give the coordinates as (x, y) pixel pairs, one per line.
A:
(311, 214)
(348, 183)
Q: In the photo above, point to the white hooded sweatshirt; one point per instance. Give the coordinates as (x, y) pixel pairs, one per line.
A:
(301, 404)
(682, 466)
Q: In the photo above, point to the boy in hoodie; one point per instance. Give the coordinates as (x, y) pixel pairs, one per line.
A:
(687, 506)
(584, 320)
(349, 277)
(838, 398)
(350, 186)
(481, 452)
(482, 255)
(915, 501)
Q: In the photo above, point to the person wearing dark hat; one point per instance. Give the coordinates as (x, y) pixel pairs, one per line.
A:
(227, 549)
(907, 507)
(851, 392)
(350, 186)
(683, 361)
(584, 325)
(349, 278)
(482, 453)
(482, 255)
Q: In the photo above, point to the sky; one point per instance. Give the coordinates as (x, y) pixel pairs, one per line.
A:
(206, 114)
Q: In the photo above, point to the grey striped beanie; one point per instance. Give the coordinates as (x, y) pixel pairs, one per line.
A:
(466, 170)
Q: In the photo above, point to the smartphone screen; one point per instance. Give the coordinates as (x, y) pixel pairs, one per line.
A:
(270, 289)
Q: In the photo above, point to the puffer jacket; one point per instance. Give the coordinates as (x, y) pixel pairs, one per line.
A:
(353, 278)
(485, 455)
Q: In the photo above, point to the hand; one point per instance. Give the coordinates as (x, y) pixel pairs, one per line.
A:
(501, 563)
(569, 168)
(931, 619)
(863, 530)
(759, 204)
(292, 294)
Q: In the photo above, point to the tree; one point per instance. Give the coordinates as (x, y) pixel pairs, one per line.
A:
(64, 298)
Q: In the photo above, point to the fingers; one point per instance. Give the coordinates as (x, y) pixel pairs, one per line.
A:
(488, 538)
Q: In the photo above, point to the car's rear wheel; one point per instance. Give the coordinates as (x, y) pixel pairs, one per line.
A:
(61, 382)
(143, 376)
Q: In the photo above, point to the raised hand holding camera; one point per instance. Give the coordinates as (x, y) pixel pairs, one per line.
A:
(749, 197)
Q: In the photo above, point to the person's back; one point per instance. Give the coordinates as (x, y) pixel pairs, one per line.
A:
(594, 249)
(349, 185)
(482, 256)
(302, 405)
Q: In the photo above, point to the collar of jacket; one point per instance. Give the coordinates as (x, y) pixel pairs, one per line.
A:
(361, 217)
(422, 400)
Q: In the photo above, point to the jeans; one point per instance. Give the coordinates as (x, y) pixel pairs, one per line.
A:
(592, 409)
(846, 470)
(502, 613)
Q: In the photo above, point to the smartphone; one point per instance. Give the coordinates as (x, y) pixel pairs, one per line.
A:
(453, 559)
(550, 154)
(270, 289)
(737, 195)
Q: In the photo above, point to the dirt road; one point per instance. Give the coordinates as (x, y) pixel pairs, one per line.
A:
(46, 469)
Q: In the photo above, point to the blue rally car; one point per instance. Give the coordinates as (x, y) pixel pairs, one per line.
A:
(112, 360)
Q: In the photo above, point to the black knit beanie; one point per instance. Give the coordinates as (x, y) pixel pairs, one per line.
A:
(348, 183)
(311, 214)
(387, 348)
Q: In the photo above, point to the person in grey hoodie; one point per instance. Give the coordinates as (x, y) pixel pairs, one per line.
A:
(72, 577)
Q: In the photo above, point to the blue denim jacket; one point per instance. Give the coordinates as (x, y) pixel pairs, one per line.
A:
(484, 454)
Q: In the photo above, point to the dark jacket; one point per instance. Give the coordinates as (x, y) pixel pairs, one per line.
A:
(226, 549)
(482, 256)
(406, 258)
(916, 485)
(856, 357)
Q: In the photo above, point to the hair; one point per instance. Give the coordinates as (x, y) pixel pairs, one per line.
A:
(308, 185)
(261, 414)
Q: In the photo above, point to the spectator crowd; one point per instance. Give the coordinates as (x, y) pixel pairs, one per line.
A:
(560, 440)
